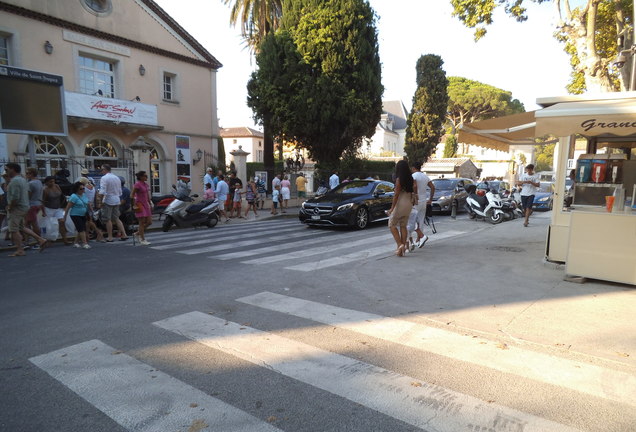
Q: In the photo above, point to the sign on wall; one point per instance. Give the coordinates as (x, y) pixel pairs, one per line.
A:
(183, 158)
(117, 110)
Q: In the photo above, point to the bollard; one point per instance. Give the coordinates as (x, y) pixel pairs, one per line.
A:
(454, 209)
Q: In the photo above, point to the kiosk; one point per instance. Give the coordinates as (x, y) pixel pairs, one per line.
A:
(592, 241)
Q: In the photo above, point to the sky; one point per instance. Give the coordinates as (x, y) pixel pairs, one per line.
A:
(523, 58)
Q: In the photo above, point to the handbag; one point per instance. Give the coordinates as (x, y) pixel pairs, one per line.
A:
(137, 208)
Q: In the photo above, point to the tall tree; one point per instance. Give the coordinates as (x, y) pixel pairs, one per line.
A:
(319, 77)
(424, 126)
(592, 33)
(469, 101)
(258, 18)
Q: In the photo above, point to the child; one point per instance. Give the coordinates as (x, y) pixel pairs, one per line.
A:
(237, 202)
(275, 198)
(209, 192)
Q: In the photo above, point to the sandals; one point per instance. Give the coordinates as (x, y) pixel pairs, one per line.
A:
(400, 251)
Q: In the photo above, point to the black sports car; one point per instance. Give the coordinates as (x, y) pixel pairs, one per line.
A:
(356, 203)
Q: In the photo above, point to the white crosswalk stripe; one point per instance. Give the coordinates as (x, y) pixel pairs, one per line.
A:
(282, 240)
(137, 396)
(425, 405)
(575, 375)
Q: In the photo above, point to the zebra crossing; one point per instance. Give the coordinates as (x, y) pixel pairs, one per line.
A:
(141, 398)
(301, 248)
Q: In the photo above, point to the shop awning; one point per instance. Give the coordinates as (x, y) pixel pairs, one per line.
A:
(499, 133)
(588, 118)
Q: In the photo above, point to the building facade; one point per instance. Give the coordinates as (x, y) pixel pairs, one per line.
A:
(390, 133)
(248, 139)
(139, 91)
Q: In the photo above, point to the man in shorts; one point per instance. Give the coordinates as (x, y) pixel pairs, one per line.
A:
(35, 200)
(108, 199)
(529, 182)
(301, 185)
(17, 208)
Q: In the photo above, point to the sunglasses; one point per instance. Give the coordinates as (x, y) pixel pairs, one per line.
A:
(81, 188)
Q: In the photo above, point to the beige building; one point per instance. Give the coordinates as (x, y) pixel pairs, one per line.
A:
(140, 92)
(248, 139)
(390, 133)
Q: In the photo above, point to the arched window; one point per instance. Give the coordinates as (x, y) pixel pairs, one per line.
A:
(99, 152)
(50, 154)
(155, 172)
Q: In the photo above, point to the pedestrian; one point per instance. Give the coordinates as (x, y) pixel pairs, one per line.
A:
(3, 202)
(78, 208)
(142, 205)
(416, 218)
(91, 228)
(108, 199)
(529, 182)
(236, 201)
(334, 180)
(276, 181)
(403, 200)
(234, 183)
(285, 192)
(209, 192)
(17, 208)
(275, 199)
(251, 196)
(208, 177)
(84, 174)
(262, 192)
(301, 185)
(54, 203)
(222, 192)
(35, 200)
(215, 180)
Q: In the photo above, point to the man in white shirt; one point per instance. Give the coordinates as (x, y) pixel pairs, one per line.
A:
(334, 180)
(221, 192)
(276, 182)
(208, 178)
(416, 219)
(529, 182)
(109, 200)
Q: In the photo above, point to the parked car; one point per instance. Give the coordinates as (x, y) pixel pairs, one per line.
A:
(448, 191)
(500, 186)
(356, 203)
(543, 196)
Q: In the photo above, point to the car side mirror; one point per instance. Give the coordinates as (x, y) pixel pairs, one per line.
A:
(378, 193)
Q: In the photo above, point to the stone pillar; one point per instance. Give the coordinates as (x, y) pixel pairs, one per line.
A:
(240, 162)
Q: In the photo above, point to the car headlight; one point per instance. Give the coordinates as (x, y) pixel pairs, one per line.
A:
(543, 199)
(443, 198)
(303, 204)
(344, 207)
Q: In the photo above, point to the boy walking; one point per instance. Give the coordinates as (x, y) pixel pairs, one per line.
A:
(529, 183)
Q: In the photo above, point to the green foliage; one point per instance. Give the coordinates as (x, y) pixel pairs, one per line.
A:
(319, 78)
(450, 146)
(257, 19)
(424, 126)
(593, 23)
(221, 154)
(470, 101)
(544, 157)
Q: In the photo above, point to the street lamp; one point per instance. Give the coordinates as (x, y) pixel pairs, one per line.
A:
(141, 144)
(620, 61)
(198, 157)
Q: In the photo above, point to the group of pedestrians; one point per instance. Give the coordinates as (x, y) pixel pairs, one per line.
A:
(24, 198)
(408, 209)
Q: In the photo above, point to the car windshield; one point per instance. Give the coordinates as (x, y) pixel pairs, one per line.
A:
(488, 185)
(546, 187)
(354, 187)
(444, 184)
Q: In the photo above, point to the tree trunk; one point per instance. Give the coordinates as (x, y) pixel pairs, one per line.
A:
(268, 152)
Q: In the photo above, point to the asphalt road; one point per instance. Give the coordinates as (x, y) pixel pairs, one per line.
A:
(271, 325)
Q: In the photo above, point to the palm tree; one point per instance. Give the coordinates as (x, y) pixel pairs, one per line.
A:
(257, 19)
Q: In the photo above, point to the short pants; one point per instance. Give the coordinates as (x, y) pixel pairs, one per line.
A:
(32, 214)
(527, 201)
(110, 213)
(15, 220)
(79, 222)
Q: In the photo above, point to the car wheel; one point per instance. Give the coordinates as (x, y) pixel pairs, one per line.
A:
(167, 223)
(496, 218)
(362, 218)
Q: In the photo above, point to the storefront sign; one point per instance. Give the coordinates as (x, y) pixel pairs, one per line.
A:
(610, 127)
(182, 144)
(117, 110)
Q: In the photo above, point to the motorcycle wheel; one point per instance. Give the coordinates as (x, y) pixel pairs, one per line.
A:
(212, 221)
(167, 224)
(496, 218)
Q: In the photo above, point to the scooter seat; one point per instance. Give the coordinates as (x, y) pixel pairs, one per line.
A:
(481, 200)
(196, 208)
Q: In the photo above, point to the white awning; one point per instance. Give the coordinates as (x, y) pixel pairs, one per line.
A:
(499, 133)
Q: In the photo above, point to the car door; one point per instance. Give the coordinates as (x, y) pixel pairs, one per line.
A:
(382, 200)
(462, 194)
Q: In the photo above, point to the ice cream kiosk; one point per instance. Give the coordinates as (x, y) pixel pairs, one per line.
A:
(593, 225)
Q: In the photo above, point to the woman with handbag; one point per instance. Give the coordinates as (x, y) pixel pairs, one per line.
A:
(78, 208)
(142, 206)
(405, 196)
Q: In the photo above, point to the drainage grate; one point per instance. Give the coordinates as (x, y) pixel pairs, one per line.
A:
(506, 248)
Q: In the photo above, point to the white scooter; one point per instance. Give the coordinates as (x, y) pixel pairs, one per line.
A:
(182, 213)
(511, 206)
(486, 207)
